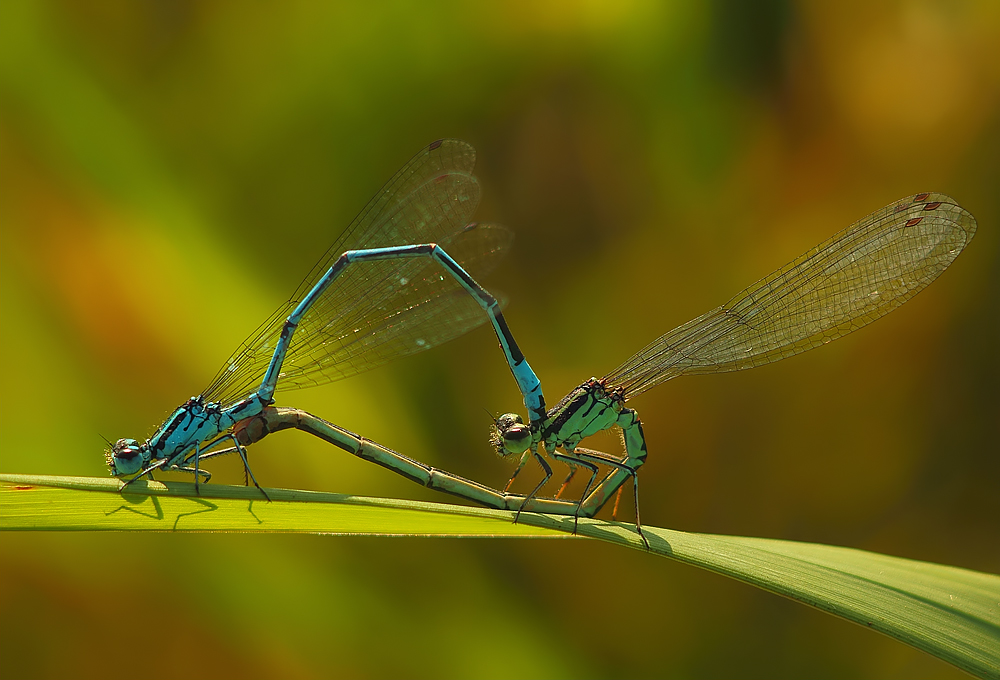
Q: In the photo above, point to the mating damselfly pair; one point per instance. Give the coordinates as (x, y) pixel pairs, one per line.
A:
(402, 278)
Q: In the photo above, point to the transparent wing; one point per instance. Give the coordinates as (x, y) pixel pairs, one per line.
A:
(380, 307)
(408, 309)
(859, 275)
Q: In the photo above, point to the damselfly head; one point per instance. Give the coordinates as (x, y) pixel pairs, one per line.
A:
(510, 435)
(124, 458)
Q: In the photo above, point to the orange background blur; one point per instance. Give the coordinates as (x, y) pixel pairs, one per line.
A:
(171, 169)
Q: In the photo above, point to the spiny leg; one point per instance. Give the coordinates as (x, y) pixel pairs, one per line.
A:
(635, 449)
(246, 466)
(195, 472)
(238, 448)
(548, 476)
(618, 496)
(520, 466)
(220, 452)
(569, 478)
(635, 456)
(197, 455)
(201, 453)
(147, 472)
(635, 495)
(605, 459)
(635, 480)
(618, 499)
(573, 461)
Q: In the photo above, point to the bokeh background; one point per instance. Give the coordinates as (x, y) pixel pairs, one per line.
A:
(170, 170)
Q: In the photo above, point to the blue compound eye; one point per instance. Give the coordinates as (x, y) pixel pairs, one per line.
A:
(125, 457)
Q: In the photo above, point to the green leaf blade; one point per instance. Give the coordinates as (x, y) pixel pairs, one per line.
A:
(86, 504)
(949, 612)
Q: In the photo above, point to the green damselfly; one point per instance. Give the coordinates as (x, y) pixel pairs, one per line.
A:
(855, 277)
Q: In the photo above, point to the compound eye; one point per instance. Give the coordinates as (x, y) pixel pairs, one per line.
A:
(507, 420)
(125, 457)
(125, 449)
(516, 438)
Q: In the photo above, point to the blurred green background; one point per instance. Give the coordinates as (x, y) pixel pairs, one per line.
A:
(171, 169)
